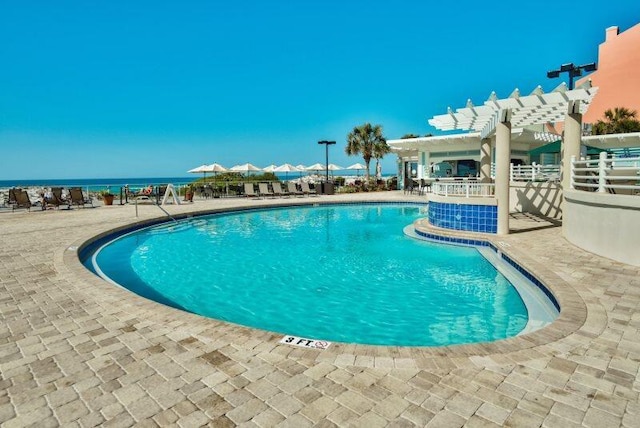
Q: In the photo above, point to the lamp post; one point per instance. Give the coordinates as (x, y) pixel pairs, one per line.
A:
(327, 144)
(573, 70)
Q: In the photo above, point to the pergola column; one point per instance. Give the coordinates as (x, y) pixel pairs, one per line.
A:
(503, 160)
(485, 160)
(570, 146)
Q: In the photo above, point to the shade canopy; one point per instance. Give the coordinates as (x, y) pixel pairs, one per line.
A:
(245, 167)
(316, 167)
(215, 167)
(301, 167)
(198, 170)
(287, 167)
(357, 166)
(334, 167)
(270, 168)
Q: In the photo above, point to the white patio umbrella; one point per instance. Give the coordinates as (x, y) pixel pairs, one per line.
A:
(245, 168)
(358, 167)
(270, 168)
(286, 168)
(301, 168)
(201, 169)
(334, 167)
(215, 168)
(316, 167)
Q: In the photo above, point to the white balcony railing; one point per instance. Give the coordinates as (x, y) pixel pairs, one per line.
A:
(467, 189)
(534, 172)
(606, 175)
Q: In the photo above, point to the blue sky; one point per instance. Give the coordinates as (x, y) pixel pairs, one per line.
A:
(152, 89)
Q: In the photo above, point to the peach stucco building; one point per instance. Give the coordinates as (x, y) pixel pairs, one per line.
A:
(618, 74)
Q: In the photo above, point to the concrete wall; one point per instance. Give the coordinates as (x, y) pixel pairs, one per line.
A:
(536, 198)
(604, 224)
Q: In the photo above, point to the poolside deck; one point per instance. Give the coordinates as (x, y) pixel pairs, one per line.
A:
(75, 350)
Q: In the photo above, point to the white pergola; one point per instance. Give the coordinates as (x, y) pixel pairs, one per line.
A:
(495, 119)
(521, 111)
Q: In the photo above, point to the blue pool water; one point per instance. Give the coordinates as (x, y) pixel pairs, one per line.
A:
(342, 273)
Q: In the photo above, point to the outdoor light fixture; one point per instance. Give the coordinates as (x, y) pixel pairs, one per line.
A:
(573, 70)
(327, 144)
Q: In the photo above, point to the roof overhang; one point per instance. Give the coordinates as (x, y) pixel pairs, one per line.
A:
(613, 141)
(531, 137)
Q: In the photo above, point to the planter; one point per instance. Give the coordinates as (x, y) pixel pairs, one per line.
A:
(108, 199)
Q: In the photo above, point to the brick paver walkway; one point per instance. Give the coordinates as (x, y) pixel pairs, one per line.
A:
(77, 351)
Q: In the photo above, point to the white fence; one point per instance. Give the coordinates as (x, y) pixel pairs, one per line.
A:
(534, 172)
(465, 189)
(606, 175)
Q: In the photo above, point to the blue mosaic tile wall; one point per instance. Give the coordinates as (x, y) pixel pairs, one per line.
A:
(472, 218)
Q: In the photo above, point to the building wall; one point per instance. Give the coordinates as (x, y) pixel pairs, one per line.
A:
(617, 74)
(604, 224)
(539, 198)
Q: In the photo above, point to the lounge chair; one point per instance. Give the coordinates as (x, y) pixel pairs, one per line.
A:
(277, 190)
(263, 189)
(77, 197)
(56, 199)
(293, 189)
(304, 186)
(19, 198)
(249, 190)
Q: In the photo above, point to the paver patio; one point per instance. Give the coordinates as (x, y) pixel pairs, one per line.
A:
(78, 351)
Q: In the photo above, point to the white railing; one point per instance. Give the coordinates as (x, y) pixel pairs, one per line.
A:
(534, 172)
(467, 189)
(612, 175)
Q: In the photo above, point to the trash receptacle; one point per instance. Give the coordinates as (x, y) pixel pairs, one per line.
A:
(328, 188)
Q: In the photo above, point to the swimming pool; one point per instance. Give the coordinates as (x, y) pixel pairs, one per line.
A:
(343, 273)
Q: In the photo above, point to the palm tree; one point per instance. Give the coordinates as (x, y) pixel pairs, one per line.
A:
(617, 121)
(363, 140)
(380, 148)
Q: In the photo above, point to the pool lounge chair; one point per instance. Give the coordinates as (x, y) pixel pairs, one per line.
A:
(56, 199)
(77, 197)
(19, 198)
(263, 189)
(277, 190)
(293, 189)
(304, 186)
(250, 191)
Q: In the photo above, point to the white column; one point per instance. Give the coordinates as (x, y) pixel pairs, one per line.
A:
(503, 156)
(421, 157)
(570, 146)
(485, 160)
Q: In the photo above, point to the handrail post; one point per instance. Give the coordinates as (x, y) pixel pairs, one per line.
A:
(510, 172)
(468, 188)
(602, 170)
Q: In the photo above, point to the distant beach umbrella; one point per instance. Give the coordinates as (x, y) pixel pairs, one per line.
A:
(358, 167)
(301, 168)
(245, 168)
(270, 168)
(316, 167)
(287, 168)
(201, 169)
(334, 167)
(215, 169)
